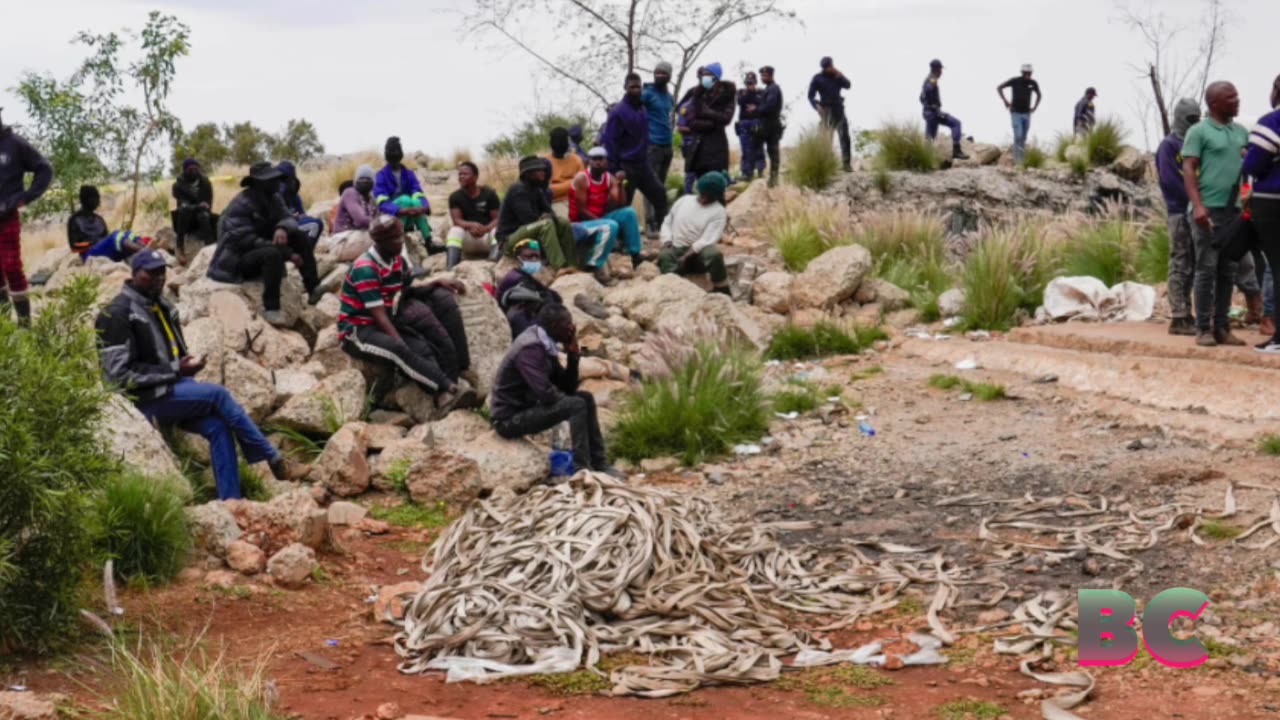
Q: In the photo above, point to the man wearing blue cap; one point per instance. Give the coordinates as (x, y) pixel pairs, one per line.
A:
(142, 351)
(825, 97)
(931, 103)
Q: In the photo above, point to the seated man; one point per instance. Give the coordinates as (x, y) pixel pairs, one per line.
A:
(194, 215)
(353, 215)
(425, 341)
(290, 186)
(599, 200)
(525, 213)
(692, 230)
(85, 227)
(397, 192)
(118, 246)
(520, 294)
(565, 166)
(473, 209)
(143, 353)
(257, 236)
(533, 392)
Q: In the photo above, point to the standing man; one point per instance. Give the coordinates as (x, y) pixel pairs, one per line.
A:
(1086, 115)
(770, 111)
(1213, 157)
(824, 96)
(1262, 163)
(17, 158)
(748, 129)
(626, 138)
(931, 102)
(1020, 108)
(1174, 189)
(660, 106)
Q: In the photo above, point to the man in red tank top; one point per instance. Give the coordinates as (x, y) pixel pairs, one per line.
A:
(598, 200)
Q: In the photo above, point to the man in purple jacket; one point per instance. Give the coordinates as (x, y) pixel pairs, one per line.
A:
(1182, 264)
(1262, 163)
(533, 393)
(626, 137)
(17, 158)
(397, 192)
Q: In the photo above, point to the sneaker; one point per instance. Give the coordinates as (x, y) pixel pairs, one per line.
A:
(1182, 326)
(591, 306)
(462, 398)
(1270, 347)
(1206, 339)
(1224, 337)
(275, 317)
(602, 276)
(958, 154)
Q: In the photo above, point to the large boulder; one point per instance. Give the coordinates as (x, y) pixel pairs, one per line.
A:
(292, 565)
(336, 401)
(294, 381)
(138, 443)
(291, 517)
(415, 401)
(488, 334)
(205, 339)
(646, 302)
(1131, 165)
(231, 313)
(750, 206)
(890, 297)
(475, 272)
(509, 464)
(342, 467)
(251, 385)
(431, 474)
(716, 313)
(246, 558)
(831, 278)
(772, 292)
(213, 527)
(275, 348)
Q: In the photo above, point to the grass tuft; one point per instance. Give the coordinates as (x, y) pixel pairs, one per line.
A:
(140, 525)
(795, 342)
(945, 382)
(1152, 264)
(866, 374)
(412, 515)
(1034, 158)
(1007, 270)
(812, 163)
(799, 400)
(882, 181)
(969, 709)
(1104, 143)
(1106, 250)
(910, 251)
(902, 146)
(1219, 530)
(1269, 445)
(578, 682)
(802, 228)
(985, 392)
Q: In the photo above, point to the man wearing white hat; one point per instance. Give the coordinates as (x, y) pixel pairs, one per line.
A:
(1020, 108)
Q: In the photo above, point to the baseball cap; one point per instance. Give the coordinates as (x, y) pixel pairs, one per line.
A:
(597, 152)
(826, 62)
(1026, 67)
(147, 260)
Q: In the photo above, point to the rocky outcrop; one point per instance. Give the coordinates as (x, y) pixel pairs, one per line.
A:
(246, 558)
(337, 400)
(292, 517)
(342, 467)
(1131, 165)
(772, 291)
(951, 302)
(646, 302)
(513, 465)
(138, 443)
(831, 278)
(251, 385)
(488, 334)
(888, 296)
(430, 474)
(213, 528)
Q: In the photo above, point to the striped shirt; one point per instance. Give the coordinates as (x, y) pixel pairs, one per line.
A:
(372, 282)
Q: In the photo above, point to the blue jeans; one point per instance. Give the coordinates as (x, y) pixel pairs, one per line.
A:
(1268, 294)
(1021, 126)
(210, 410)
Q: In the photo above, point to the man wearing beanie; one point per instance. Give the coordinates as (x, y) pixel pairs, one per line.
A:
(194, 215)
(770, 111)
(692, 231)
(626, 139)
(712, 111)
(397, 192)
(659, 105)
(355, 212)
(825, 97)
(86, 227)
(748, 128)
(526, 213)
(1181, 256)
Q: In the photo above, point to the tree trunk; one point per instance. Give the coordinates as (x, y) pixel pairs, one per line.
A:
(1160, 105)
(137, 175)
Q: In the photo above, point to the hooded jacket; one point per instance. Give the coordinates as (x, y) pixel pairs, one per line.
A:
(710, 113)
(1169, 158)
(658, 105)
(531, 375)
(626, 134)
(389, 185)
(192, 192)
(133, 346)
(1262, 158)
(17, 158)
(248, 223)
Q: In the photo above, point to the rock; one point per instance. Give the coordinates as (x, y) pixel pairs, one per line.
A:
(475, 272)
(51, 261)
(748, 208)
(889, 297)
(620, 267)
(27, 706)
(1131, 165)
(292, 565)
(623, 329)
(712, 312)
(415, 401)
(430, 474)
(659, 465)
(392, 599)
(251, 385)
(511, 464)
(984, 154)
(391, 417)
(139, 444)
(293, 381)
(389, 711)
(951, 302)
(277, 349)
(246, 558)
(742, 271)
(213, 528)
(323, 314)
(343, 513)
(232, 315)
(772, 292)
(831, 278)
(224, 579)
(488, 334)
(893, 662)
(291, 517)
(646, 303)
(380, 437)
(342, 467)
(339, 399)
(993, 616)
(204, 339)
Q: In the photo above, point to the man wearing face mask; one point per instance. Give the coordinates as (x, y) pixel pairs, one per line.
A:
(565, 166)
(1172, 186)
(356, 210)
(825, 97)
(397, 191)
(258, 236)
(659, 105)
(142, 352)
(521, 294)
(626, 139)
(714, 105)
(194, 215)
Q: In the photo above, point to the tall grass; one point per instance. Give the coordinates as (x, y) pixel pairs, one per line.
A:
(1060, 145)
(825, 338)
(902, 146)
(804, 227)
(1007, 270)
(1104, 143)
(1034, 158)
(140, 525)
(711, 401)
(909, 250)
(1152, 264)
(812, 163)
(1106, 249)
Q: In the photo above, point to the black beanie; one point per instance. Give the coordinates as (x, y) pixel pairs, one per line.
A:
(89, 197)
(393, 143)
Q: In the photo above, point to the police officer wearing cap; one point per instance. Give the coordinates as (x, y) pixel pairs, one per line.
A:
(825, 97)
(1085, 116)
(931, 103)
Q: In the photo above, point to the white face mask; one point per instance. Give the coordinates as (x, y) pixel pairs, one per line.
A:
(708, 81)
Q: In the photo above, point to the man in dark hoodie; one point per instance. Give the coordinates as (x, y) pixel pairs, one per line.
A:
(526, 213)
(770, 111)
(194, 215)
(626, 138)
(290, 191)
(258, 235)
(1182, 264)
(17, 158)
(714, 105)
(398, 192)
(533, 392)
(85, 227)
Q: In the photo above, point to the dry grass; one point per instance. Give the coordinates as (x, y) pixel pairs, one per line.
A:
(805, 226)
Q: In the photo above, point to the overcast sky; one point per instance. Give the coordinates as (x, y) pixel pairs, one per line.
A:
(362, 72)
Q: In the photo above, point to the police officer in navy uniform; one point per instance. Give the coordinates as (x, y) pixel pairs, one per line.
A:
(931, 101)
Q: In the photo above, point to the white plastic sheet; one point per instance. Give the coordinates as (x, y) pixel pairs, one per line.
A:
(1087, 298)
(871, 654)
(549, 662)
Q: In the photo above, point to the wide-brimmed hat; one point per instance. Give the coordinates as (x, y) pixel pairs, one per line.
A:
(261, 171)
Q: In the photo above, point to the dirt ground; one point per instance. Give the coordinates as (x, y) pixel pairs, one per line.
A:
(1058, 433)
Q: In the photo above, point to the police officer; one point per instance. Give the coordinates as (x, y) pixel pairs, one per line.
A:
(931, 102)
(825, 96)
(748, 128)
(770, 112)
(1085, 115)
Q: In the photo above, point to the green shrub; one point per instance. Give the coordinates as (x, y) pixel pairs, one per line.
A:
(985, 392)
(1007, 270)
(883, 181)
(910, 251)
(1104, 143)
(1079, 165)
(1267, 445)
(802, 228)
(945, 382)
(140, 525)
(1153, 255)
(712, 401)
(795, 342)
(1034, 158)
(801, 397)
(203, 488)
(53, 459)
(812, 163)
(412, 515)
(1106, 249)
(902, 146)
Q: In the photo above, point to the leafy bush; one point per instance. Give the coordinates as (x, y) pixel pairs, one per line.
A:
(902, 146)
(1034, 158)
(794, 342)
(1007, 270)
(812, 163)
(985, 392)
(1106, 249)
(1267, 445)
(798, 396)
(139, 523)
(909, 250)
(802, 228)
(53, 460)
(711, 401)
(1104, 143)
(1079, 164)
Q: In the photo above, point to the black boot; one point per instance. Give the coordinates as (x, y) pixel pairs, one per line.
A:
(773, 177)
(957, 153)
(23, 308)
(453, 256)
(722, 289)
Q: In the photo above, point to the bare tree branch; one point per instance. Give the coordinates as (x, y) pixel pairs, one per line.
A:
(555, 69)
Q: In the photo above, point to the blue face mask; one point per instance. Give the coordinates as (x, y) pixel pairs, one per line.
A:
(708, 81)
(533, 267)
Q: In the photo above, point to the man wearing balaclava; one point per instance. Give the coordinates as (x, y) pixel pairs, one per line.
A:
(194, 216)
(17, 158)
(356, 210)
(397, 192)
(565, 166)
(86, 227)
(660, 105)
(1181, 258)
(626, 139)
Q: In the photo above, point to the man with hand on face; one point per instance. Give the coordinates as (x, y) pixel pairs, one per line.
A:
(599, 204)
(825, 97)
(660, 105)
(143, 353)
(626, 139)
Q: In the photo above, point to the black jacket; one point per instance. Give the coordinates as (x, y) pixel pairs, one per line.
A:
(523, 204)
(248, 223)
(134, 348)
(84, 230)
(712, 112)
(189, 193)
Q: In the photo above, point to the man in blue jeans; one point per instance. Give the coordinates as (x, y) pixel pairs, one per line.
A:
(142, 351)
(1020, 108)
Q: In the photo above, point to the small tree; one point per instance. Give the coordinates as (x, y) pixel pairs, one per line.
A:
(204, 143)
(246, 143)
(299, 142)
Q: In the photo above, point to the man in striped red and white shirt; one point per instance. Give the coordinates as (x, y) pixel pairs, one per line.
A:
(423, 337)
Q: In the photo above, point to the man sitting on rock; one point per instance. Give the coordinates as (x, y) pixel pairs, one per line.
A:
(565, 166)
(692, 231)
(520, 294)
(533, 392)
(87, 232)
(473, 209)
(425, 341)
(526, 213)
(398, 192)
(598, 201)
(354, 213)
(290, 189)
(257, 236)
(143, 353)
(194, 215)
